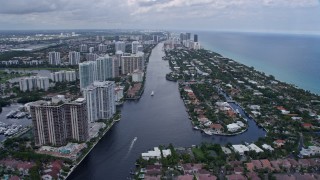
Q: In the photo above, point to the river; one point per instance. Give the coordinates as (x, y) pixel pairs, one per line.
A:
(155, 120)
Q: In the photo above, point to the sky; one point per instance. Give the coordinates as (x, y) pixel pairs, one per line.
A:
(297, 16)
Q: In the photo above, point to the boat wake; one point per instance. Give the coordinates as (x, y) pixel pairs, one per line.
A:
(131, 145)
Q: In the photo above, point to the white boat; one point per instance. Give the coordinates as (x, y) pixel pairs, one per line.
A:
(152, 93)
(196, 127)
(208, 131)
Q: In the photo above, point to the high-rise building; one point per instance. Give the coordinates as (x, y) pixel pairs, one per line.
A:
(117, 38)
(57, 122)
(76, 117)
(91, 57)
(155, 38)
(120, 46)
(34, 83)
(61, 76)
(91, 49)
(83, 48)
(74, 58)
(117, 64)
(87, 73)
(132, 62)
(102, 48)
(139, 48)
(54, 58)
(134, 47)
(100, 97)
(195, 38)
(182, 37)
(104, 68)
(188, 36)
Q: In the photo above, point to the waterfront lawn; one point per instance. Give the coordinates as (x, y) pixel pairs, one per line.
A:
(198, 153)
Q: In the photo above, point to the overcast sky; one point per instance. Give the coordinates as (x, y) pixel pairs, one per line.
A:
(232, 15)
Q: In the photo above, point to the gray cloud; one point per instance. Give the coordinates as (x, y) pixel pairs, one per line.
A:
(192, 14)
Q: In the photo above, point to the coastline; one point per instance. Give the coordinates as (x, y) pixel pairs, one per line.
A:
(281, 71)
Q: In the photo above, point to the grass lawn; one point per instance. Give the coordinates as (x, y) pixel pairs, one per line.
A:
(198, 153)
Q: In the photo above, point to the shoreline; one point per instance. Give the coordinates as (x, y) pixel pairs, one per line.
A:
(84, 156)
(252, 61)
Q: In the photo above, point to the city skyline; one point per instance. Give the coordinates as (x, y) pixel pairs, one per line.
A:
(296, 16)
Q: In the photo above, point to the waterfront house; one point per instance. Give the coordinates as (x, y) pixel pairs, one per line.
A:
(233, 127)
(241, 149)
(226, 150)
(217, 128)
(156, 154)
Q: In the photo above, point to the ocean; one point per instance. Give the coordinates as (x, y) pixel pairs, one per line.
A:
(291, 58)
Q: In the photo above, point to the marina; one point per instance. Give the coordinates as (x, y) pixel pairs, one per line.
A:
(13, 120)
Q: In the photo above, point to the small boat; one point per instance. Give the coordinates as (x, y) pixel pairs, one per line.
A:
(11, 114)
(208, 132)
(152, 93)
(196, 127)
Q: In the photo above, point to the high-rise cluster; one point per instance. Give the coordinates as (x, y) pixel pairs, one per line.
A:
(185, 39)
(62, 76)
(34, 83)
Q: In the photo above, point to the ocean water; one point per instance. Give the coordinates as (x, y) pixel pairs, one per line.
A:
(294, 59)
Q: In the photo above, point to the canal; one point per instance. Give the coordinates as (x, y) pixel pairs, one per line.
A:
(152, 121)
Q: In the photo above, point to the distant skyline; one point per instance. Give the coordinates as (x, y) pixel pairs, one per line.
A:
(293, 16)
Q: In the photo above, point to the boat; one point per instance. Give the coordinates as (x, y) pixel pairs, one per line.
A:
(20, 115)
(11, 114)
(152, 93)
(208, 131)
(196, 128)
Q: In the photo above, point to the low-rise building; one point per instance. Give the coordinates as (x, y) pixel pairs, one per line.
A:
(137, 76)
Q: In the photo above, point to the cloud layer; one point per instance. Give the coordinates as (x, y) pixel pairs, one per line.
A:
(161, 14)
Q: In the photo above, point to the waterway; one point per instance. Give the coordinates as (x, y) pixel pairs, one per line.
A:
(152, 121)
